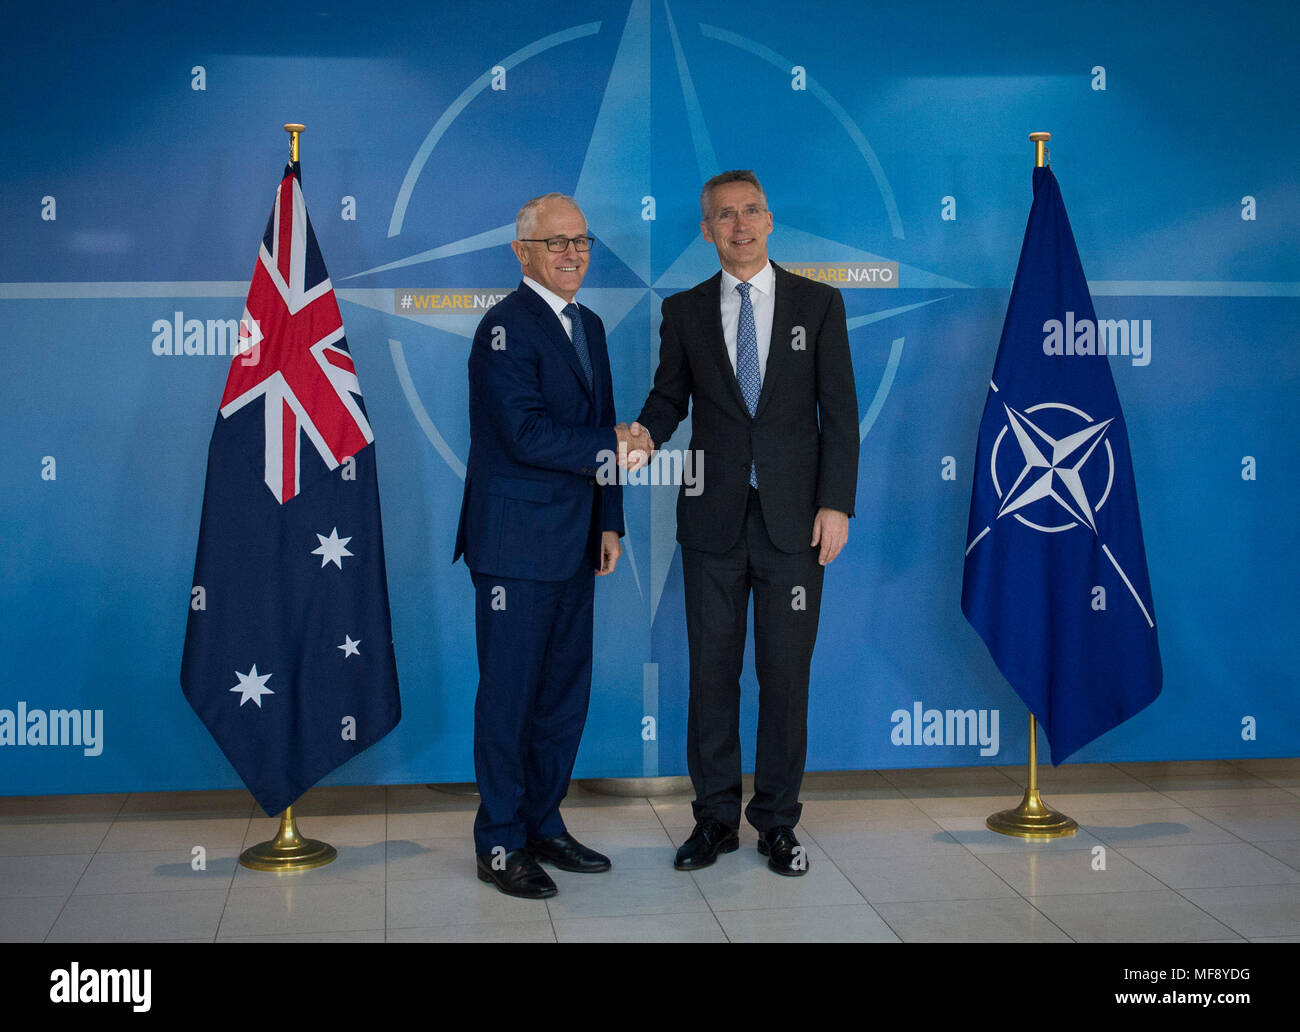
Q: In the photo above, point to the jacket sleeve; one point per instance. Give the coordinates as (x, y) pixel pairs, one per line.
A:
(507, 380)
(837, 409)
(670, 397)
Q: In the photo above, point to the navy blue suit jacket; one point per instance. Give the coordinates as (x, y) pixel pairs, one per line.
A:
(532, 507)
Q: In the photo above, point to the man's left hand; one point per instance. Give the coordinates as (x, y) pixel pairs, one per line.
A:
(831, 531)
(610, 550)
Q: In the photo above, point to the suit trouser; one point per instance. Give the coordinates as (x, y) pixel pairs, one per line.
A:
(787, 591)
(534, 657)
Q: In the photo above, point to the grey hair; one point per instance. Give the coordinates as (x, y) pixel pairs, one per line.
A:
(526, 220)
(738, 175)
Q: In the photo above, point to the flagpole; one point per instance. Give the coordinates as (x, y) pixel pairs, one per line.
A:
(293, 129)
(1040, 147)
(1033, 819)
(289, 851)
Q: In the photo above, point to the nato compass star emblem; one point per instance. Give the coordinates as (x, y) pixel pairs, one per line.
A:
(642, 257)
(1052, 467)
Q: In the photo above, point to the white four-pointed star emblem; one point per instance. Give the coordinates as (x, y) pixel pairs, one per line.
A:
(1049, 462)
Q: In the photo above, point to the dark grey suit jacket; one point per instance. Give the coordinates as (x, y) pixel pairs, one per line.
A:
(803, 436)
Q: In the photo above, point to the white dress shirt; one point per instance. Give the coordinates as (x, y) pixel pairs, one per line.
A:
(763, 298)
(557, 304)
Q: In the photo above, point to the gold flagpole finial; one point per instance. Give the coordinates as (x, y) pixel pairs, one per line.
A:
(293, 129)
(1040, 147)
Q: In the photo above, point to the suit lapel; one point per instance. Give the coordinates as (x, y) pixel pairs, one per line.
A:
(554, 330)
(778, 351)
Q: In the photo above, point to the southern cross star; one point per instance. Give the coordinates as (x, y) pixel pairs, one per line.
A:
(332, 549)
(252, 685)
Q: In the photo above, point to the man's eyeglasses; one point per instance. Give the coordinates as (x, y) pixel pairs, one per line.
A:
(727, 215)
(560, 244)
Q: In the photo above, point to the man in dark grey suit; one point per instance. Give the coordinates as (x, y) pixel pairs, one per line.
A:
(764, 356)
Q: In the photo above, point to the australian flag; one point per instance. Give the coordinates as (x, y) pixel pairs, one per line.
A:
(1055, 580)
(289, 648)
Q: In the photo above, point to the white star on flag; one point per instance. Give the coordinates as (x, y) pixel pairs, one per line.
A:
(253, 686)
(349, 646)
(1077, 448)
(332, 549)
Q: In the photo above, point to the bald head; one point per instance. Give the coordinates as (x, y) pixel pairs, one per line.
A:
(526, 220)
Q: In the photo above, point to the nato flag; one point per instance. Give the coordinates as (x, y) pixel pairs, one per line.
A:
(1055, 580)
(289, 647)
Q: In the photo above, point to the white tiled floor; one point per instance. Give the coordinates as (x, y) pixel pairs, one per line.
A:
(1166, 852)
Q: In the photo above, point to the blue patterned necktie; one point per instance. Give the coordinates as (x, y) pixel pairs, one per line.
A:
(579, 339)
(747, 362)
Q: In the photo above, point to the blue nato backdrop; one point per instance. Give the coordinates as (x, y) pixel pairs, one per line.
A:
(143, 152)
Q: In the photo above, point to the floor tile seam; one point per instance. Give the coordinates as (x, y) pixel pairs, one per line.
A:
(831, 860)
(1199, 845)
(905, 770)
(225, 906)
(325, 931)
(691, 875)
(1049, 919)
(1191, 902)
(1148, 779)
(1014, 890)
(89, 860)
(993, 899)
(1018, 894)
(1103, 892)
(1294, 866)
(1217, 824)
(1147, 870)
(1178, 888)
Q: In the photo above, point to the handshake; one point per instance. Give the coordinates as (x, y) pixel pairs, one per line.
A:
(635, 445)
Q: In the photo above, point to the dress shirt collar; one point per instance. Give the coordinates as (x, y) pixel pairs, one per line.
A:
(762, 281)
(553, 299)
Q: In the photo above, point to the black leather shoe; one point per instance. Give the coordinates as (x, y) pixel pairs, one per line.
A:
(709, 838)
(568, 854)
(783, 852)
(519, 877)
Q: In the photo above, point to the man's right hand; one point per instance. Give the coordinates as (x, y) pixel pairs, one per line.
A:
(635, 445)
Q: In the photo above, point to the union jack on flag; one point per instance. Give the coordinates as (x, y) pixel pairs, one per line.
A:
(294, 354)
(289, 645)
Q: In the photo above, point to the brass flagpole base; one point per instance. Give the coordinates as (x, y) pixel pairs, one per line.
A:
(288, 851)
(1032, 820)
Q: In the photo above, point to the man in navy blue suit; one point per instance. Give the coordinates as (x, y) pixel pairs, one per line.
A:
(536, 529)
